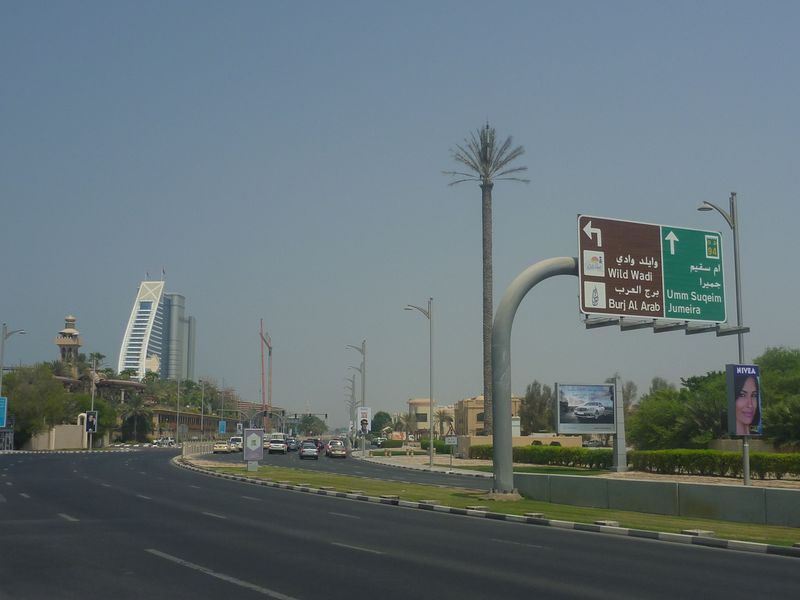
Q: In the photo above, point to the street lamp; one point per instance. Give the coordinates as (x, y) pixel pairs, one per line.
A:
(732, 219)
(363, 370)
(5, 335)
(429, 315)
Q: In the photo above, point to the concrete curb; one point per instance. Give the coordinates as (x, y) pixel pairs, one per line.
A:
(677, 538)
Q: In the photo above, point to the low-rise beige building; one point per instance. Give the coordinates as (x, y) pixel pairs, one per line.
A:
(469, 414)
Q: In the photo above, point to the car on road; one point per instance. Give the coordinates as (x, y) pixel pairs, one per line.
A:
(237, 443)
(336, 448)
(222, 447)
(292, 444)
(593, 409)
(308, 449)
(277, 445)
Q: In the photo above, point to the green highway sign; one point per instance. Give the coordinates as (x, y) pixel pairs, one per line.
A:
(631, 269)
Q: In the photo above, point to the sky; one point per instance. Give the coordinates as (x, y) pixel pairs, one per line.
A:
(284, 161)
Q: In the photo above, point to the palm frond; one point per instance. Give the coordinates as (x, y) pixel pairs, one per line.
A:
(485, 160)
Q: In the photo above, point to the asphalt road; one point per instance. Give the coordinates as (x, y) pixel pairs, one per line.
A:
(359, 468)
(130, 525)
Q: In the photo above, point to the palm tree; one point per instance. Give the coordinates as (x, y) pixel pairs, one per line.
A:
(442, 417)
(133, 412)
(487, 162)
(409, 422)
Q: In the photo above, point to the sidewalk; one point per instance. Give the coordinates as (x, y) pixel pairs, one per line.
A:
(441, 464)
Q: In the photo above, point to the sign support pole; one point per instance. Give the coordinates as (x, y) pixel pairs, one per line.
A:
(620, 452)
(746, 459)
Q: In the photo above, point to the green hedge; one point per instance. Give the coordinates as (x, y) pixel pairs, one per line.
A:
(684, 462)
(392, 444)
(438, 445)
(601, 458)
(715, 463)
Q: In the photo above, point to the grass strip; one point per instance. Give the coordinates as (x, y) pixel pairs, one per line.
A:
(461, 498)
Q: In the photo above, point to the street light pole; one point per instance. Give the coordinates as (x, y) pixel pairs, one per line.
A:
(202, 409)
(732, 219)
(5, 335)
(363, 370)
(429, 315)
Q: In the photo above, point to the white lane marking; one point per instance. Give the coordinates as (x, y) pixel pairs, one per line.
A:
(68, 518)
(143, 497)
(197, 487)
(208, 514)
(337, 514)
(2, 498)
(359, 548)
(9, 483)
(108, 485)
(515, 543)
(142, 473)
(251, 498)
(24, 495)
(245, 584)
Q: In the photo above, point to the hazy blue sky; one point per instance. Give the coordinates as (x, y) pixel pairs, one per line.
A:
(283, 160)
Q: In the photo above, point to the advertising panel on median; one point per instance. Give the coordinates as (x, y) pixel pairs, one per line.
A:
(585, 408)
(744, 399)
(253, 444)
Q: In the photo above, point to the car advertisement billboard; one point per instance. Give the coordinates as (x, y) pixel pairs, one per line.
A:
(744, 399)
(585, 408)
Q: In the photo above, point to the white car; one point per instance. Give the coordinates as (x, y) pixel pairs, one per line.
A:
(593, 409)
(222, 447)
(278, 445)
(237, 443)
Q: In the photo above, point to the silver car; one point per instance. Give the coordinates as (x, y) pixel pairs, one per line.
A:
(308, 450)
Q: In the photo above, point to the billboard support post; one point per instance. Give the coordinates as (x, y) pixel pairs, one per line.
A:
(620, 452)
(746, 459)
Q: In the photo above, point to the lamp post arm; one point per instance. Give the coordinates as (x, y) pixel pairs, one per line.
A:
(729, 217)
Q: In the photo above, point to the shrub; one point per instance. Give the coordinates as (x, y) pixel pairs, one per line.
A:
(714, 463)
(393, 444)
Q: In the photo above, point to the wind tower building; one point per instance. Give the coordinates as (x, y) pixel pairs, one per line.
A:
(159, 338)
(69, 344)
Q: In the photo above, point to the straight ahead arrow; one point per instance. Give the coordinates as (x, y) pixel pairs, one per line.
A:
(671, 238)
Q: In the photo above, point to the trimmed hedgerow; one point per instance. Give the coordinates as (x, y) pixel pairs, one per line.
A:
(709, 463)
(601, 458)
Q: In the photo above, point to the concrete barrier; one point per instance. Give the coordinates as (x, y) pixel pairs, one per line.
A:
(658, 497)
(782, 507)
(743, 504)
(726, 502)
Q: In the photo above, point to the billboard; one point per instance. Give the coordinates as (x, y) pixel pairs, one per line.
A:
(91, 421)
(253, 444)
(585, 408)
(744, 399)
(363, 420)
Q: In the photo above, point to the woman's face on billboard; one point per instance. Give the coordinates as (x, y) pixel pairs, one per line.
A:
(747, 403)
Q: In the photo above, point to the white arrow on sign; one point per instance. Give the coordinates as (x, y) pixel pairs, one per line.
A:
(671, 238)
(589, 230)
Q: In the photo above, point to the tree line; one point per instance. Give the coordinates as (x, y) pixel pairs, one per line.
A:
(693, 414)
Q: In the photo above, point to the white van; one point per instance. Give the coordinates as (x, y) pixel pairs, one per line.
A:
(237, 443)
